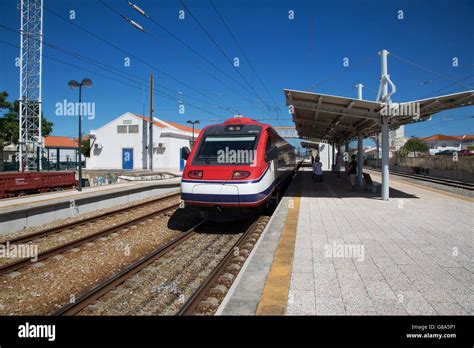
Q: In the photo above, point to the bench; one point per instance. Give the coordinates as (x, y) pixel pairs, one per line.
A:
(372, 186)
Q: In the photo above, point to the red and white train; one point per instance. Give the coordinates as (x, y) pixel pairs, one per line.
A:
(235, 168)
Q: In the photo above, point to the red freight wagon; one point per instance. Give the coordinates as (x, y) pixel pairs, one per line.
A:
(16, 184)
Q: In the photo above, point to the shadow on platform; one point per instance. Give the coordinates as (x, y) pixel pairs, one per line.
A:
(332, 187)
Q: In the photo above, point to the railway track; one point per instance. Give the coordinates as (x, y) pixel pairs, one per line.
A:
(440, 181)
(212, 291)
(235, 255)
(13, 266)
(100, 289)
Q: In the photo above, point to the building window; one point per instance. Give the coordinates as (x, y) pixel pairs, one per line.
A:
(121, 129)
(133, 129)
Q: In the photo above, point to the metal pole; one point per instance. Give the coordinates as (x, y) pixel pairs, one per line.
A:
(359, 90)
(385, 178)
(80, 138)
(193, 137)
(40, 101)
(21, 168)
(385, 121)
(378, 151)
(333, 153)
(360, 158)
(151, 125)
(144, 134)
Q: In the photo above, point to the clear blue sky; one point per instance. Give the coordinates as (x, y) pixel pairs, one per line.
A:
(286, 53)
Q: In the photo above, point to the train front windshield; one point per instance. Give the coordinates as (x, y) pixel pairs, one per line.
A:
(229, 149)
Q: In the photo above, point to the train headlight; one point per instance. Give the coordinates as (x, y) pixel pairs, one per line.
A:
(195, 174)
(240, 174)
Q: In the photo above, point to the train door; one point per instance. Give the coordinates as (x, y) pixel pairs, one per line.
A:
(127, 158)
(181, 160)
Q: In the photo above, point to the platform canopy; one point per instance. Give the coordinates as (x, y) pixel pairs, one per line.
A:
(310, 145)
(334, 119)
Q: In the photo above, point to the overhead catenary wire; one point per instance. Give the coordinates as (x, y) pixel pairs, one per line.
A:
(138, 87)
(447, 77)
(450, 85)
(130, 54)
(156, 38)
(339, 74)
(243, 52)
(184, 43)
(222, 52)
(105, 66)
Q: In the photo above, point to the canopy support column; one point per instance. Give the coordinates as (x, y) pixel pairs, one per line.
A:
(385, 159)
(333, 153)
(360, 158)
(378, 151)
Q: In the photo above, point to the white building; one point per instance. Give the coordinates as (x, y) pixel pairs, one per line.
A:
(321, 150)
(119, 144)
(440, 142)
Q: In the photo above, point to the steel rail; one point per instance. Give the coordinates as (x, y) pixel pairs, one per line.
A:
(194, 300)
(13, 266)
(58, 229)
(105, 286)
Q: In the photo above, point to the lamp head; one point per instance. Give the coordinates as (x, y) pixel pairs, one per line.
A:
(73, 84)
(86, 82)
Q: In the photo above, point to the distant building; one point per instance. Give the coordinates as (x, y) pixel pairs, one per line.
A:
(62, 150)
(440, 142)
(119, 144)
(396, 140)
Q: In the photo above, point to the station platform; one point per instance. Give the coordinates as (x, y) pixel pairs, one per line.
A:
(341, 252)
(22, 212)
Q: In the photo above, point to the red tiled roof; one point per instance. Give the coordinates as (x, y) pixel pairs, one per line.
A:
(440, 137)
(183, 127)
(173, 124)
(448, 137)
(62, 142)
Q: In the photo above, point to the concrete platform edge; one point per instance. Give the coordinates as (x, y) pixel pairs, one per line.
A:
(15, 219)
(244, 295)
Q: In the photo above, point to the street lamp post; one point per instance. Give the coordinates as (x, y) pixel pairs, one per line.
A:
(193, 123)
(75, 84)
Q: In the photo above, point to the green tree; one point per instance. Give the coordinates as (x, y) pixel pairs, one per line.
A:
(86, 148)
(414, 145)
(9, 128)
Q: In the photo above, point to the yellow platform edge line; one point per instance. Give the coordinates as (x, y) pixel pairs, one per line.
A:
(275, 292)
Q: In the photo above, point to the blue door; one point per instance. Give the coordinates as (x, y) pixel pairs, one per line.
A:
(127, 158)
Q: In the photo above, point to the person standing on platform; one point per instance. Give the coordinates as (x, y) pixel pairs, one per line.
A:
(339, 162)
(352, 171)
(317, 173)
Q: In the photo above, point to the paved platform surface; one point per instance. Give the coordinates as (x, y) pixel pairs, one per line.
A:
(357, 255)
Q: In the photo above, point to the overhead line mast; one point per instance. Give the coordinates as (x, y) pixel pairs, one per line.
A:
(31, 39)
